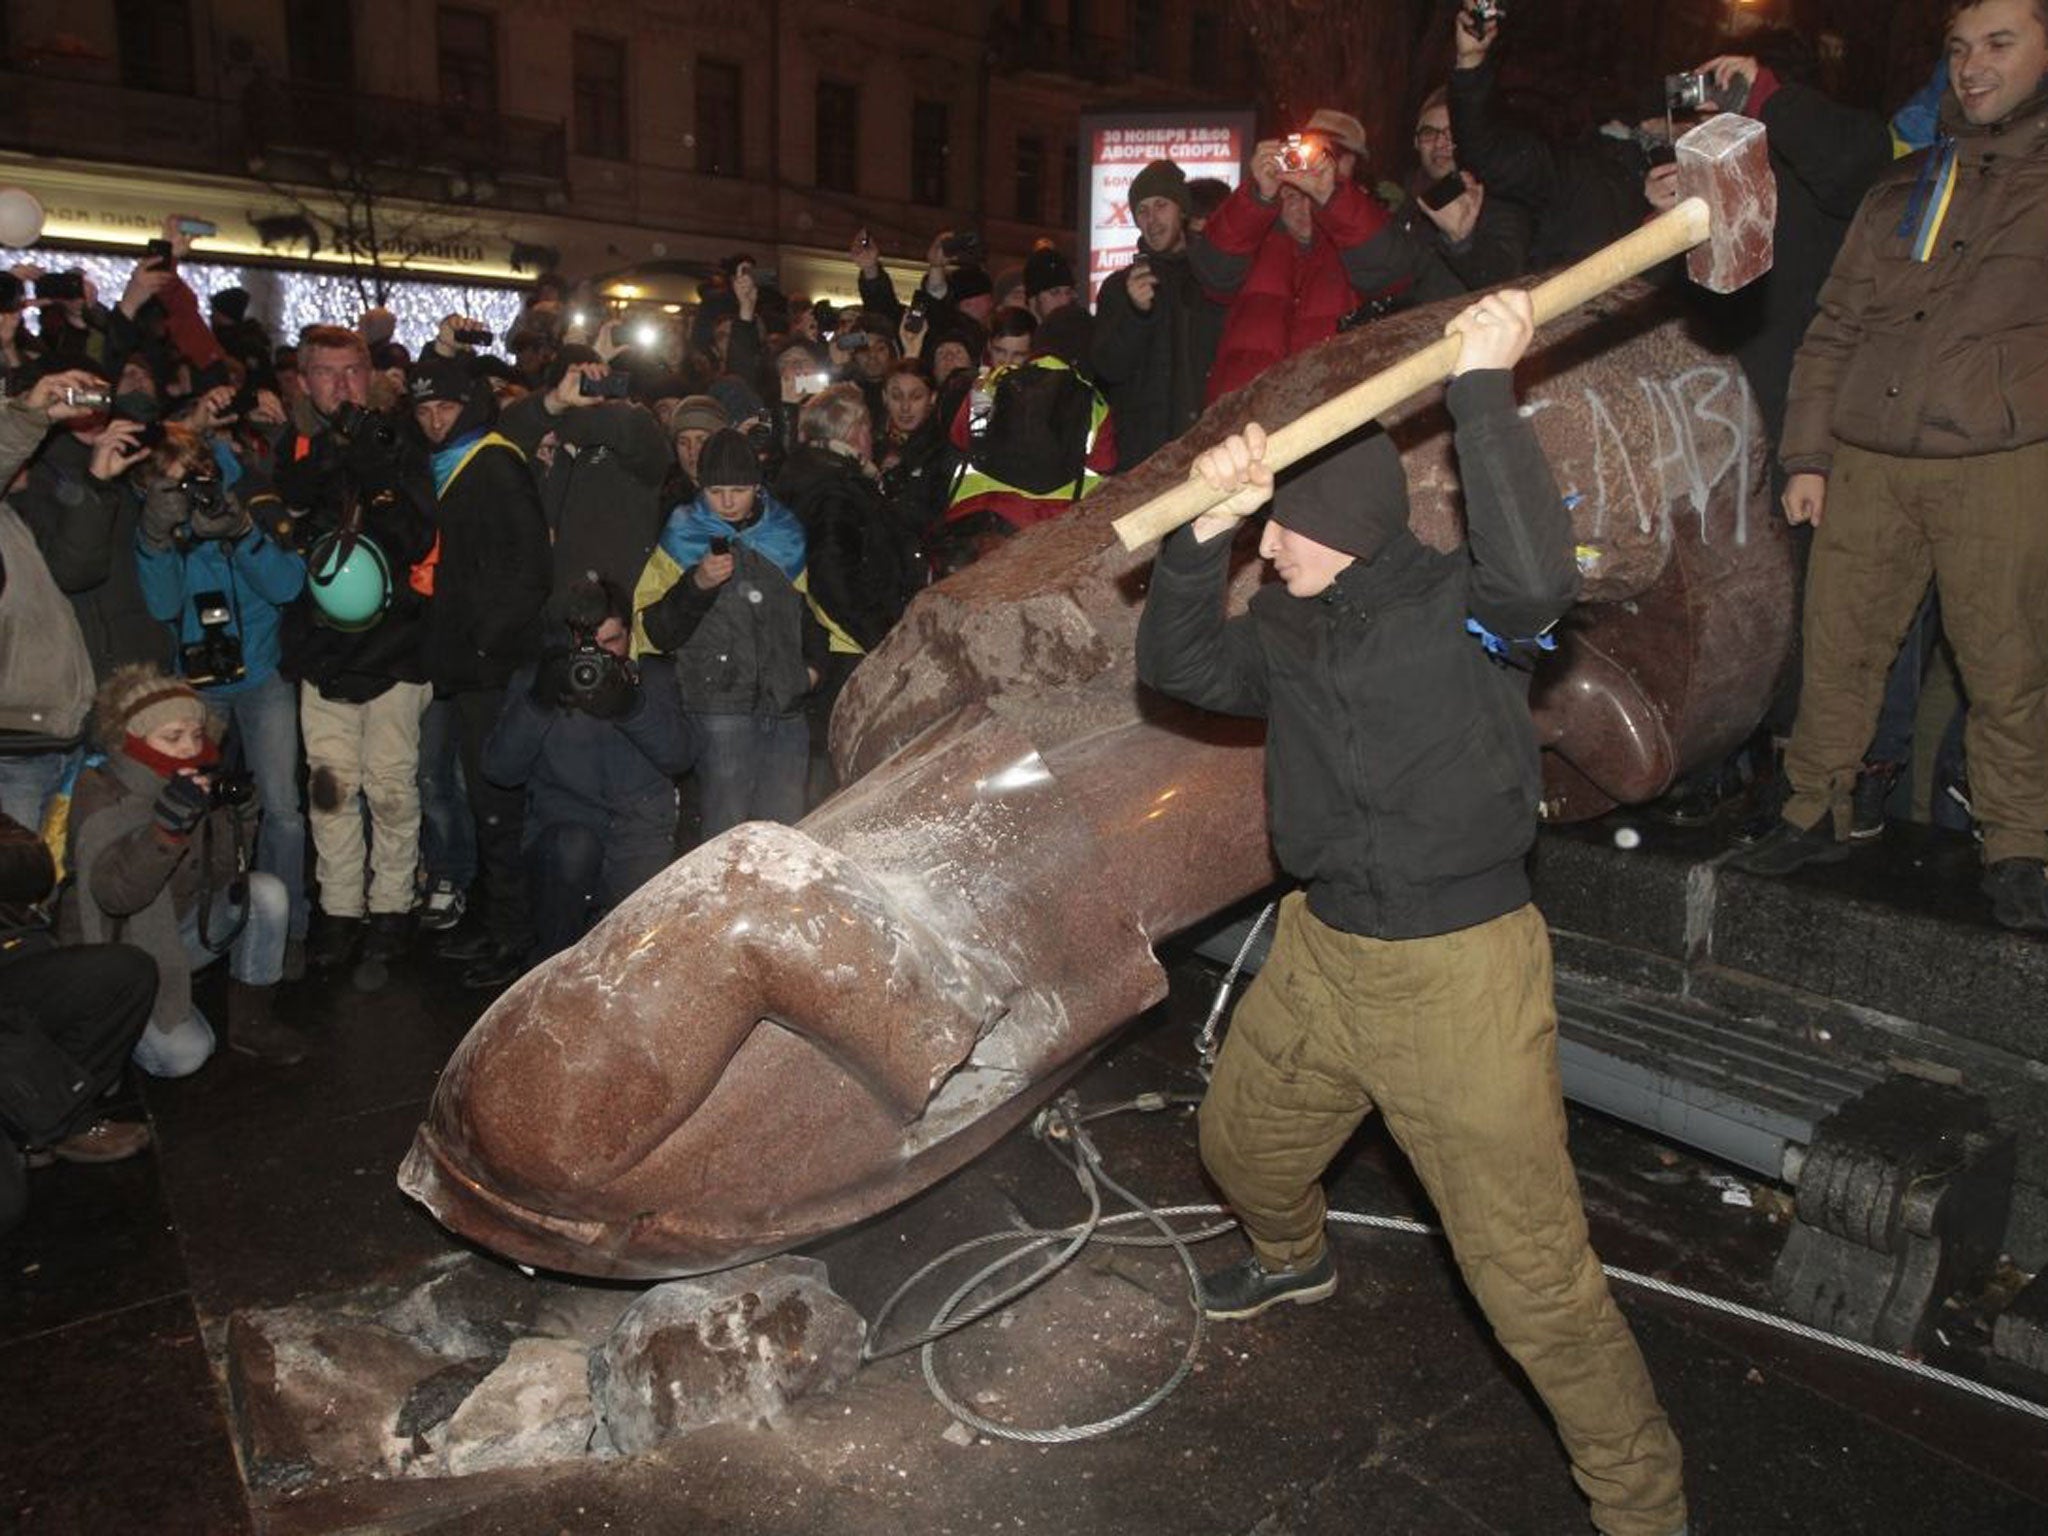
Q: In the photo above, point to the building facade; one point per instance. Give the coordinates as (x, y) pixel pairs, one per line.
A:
(488, 139)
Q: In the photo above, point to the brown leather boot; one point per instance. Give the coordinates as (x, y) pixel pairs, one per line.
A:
(252, 1030)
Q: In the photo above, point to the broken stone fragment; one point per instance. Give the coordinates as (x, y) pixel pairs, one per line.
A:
(736, 1347)
(316, 1395)
(533, 1409)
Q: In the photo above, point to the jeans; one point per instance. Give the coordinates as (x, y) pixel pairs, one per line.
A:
(29, 779)
(265, 721)
(447, 834)
(576, 874)
(255, 958)
(751, 768)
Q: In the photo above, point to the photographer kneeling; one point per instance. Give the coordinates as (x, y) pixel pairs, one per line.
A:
(222, 584)
(597, 742)
(159, 852)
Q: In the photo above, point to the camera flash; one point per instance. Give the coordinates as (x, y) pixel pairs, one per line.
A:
(579, 319)
(645, 335)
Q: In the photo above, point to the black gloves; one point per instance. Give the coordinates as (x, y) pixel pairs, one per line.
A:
(611, 697)
(181, 804)
(551, 682)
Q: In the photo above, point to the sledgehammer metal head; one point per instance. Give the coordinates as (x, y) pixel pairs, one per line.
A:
(1726, 163)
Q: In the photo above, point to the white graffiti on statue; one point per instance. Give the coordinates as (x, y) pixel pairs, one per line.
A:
(1700, 435)
(1700, 442)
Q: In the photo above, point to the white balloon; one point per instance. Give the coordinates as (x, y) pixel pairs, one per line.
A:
(21, 217)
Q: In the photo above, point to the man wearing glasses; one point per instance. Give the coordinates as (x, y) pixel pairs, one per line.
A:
(1462, 240)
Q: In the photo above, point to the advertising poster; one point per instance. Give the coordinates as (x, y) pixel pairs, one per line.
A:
(1117, 146)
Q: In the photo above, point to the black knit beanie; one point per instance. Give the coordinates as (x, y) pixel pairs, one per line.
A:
(1352, 498)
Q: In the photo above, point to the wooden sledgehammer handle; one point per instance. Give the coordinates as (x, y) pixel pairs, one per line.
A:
(1669, 235)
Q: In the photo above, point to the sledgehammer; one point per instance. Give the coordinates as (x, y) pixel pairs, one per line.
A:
(1728, 209)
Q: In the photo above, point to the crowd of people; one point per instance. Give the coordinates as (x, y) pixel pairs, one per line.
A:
(502, 632)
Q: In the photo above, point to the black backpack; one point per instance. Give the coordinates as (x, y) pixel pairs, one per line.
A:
(1035, 435)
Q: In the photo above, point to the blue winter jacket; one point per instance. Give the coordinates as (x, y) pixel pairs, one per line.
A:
(255, 573)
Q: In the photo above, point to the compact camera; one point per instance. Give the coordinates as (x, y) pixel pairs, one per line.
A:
(1299, 153)
(61, 285)
(472, 336)
(216, 656)
(965, 246)
(92, 397)
(1694, 93)
(1485, 13)
(605, 386)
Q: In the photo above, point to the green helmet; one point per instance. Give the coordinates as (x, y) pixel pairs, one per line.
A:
(350, 580)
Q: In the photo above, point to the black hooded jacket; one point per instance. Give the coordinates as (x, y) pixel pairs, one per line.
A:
(1402, 777)
(602, 495)
(384, 469)
(862, 559)
(493, 568)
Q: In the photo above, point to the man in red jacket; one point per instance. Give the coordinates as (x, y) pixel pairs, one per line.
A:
(1295, 248)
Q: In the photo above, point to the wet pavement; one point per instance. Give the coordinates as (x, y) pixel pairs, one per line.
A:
(1386, 1409)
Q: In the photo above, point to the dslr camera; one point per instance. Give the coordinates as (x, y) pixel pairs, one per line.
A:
(354, 423)
(593, 670)
(230, 787)
(207, 512)
(215, 657)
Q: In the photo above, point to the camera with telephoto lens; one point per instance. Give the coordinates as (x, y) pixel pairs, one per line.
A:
(216, 656)
(592, 668)
(231, 787)
(1696, 92)
(354, 423)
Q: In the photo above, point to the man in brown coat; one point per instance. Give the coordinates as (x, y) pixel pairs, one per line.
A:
(1916, 444)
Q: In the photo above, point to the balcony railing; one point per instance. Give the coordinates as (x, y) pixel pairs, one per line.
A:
(353, 130)
(86, 119)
